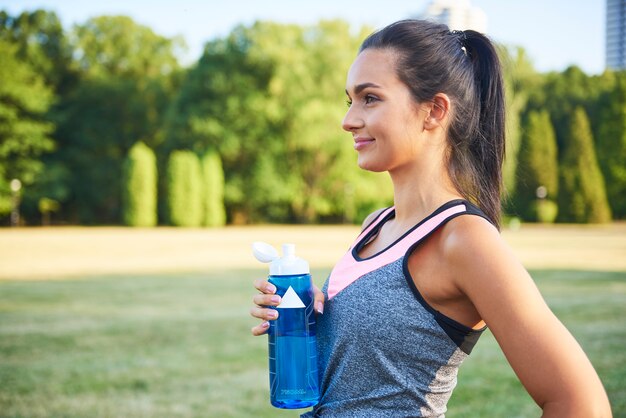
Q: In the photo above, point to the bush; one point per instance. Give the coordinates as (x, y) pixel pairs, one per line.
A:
(213, 176)
(184, 189)
(139, 194)
(545, 211)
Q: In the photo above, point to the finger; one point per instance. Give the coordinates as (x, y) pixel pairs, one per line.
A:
(261, 328)
(264, 286)
(318, 297)
(264, 313)
(266, 300)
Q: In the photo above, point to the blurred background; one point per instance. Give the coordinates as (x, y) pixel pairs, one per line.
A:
(199, 114)
(144, 146)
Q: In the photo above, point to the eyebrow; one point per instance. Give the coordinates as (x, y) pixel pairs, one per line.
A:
(360, 87)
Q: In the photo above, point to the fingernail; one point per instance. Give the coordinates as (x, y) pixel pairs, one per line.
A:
(319, 307)
(273, 314)
(271, 288)
(275, 299)
(265, 324)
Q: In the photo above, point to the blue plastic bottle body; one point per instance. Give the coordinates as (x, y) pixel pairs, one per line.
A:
(293, 347)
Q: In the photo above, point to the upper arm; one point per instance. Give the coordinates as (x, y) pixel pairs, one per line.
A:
(547, 359)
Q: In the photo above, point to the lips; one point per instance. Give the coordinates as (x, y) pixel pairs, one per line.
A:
(360, 143)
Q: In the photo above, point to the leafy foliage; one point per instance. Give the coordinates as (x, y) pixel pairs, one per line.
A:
(139, 194)
(24, 133)
(537, 164)
(611, 144)
(267, 100)
(124, 85)
(582, 196)
(184, 189)
(213, 181)
(42, 42)
(519, 79)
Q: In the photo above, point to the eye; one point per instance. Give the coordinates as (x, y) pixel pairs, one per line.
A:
(369, 99)
(349, 102)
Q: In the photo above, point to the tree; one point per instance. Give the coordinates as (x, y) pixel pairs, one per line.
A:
(269, 98)
(126, 75)
(611, 142)
(537, 164)
(117, 46)
(24, 134)
(139, 194)
(40, 41)
(582, 195)
(560, 95)
(520, 79)
(184, 189)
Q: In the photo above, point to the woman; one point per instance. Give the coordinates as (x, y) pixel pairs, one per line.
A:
(406, 304)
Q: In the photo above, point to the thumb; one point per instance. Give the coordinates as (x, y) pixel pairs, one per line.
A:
(318, 297)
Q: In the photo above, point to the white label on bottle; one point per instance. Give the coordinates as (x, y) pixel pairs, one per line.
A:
(291, 300)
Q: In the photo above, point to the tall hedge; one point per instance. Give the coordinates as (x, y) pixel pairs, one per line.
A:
(537, 164)
(139, 194)
(582, 193)
(213, 179)
(184, 189)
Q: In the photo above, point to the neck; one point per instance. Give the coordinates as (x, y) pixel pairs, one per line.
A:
(419, 190)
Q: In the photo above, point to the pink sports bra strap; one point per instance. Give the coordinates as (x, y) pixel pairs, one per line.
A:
(351, 266)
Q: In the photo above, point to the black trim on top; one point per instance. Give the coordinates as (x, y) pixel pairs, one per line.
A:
(359, 245)
(463, 336)
(376, 218)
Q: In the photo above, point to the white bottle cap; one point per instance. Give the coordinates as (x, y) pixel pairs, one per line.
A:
(287, 265)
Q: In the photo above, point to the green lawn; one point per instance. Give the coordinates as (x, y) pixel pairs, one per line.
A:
(179, 346)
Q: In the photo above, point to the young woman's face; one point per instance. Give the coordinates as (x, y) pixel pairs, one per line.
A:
(385, 122)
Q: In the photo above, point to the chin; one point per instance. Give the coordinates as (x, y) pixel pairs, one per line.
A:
(364, 164)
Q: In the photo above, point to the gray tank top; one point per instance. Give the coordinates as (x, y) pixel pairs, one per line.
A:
(382, 350)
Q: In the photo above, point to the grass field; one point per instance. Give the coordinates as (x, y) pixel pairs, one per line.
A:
(114, 322)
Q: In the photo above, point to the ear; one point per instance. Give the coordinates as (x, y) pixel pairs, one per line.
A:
(438, 111)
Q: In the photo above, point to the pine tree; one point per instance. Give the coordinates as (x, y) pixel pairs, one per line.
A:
(582, 193)
(184, 181)
(611, 144)
(213, 179)
(139, 197)
(537, 166)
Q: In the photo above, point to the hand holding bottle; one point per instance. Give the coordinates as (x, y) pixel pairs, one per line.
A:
(267, 297)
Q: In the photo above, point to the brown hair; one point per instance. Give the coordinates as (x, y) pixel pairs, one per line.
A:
(465, 66)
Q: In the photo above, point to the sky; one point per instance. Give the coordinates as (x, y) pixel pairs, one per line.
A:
(554, 33)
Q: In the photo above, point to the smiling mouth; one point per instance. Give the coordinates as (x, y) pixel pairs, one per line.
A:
(362, 143)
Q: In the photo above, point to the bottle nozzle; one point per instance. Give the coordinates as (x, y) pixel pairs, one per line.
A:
(289, 250)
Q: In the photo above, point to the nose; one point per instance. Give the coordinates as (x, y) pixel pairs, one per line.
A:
(352, 120)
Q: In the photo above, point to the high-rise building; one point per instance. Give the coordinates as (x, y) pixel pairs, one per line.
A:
(616, 34)
(457, 14)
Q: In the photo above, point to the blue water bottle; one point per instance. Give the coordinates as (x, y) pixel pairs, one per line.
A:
(291, 337)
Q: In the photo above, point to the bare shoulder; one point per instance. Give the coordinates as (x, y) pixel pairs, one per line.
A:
(469, 234)
(370, 218)
(475, 250)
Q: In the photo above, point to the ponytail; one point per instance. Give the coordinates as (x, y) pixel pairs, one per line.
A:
(488, 145)
(465, 66)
